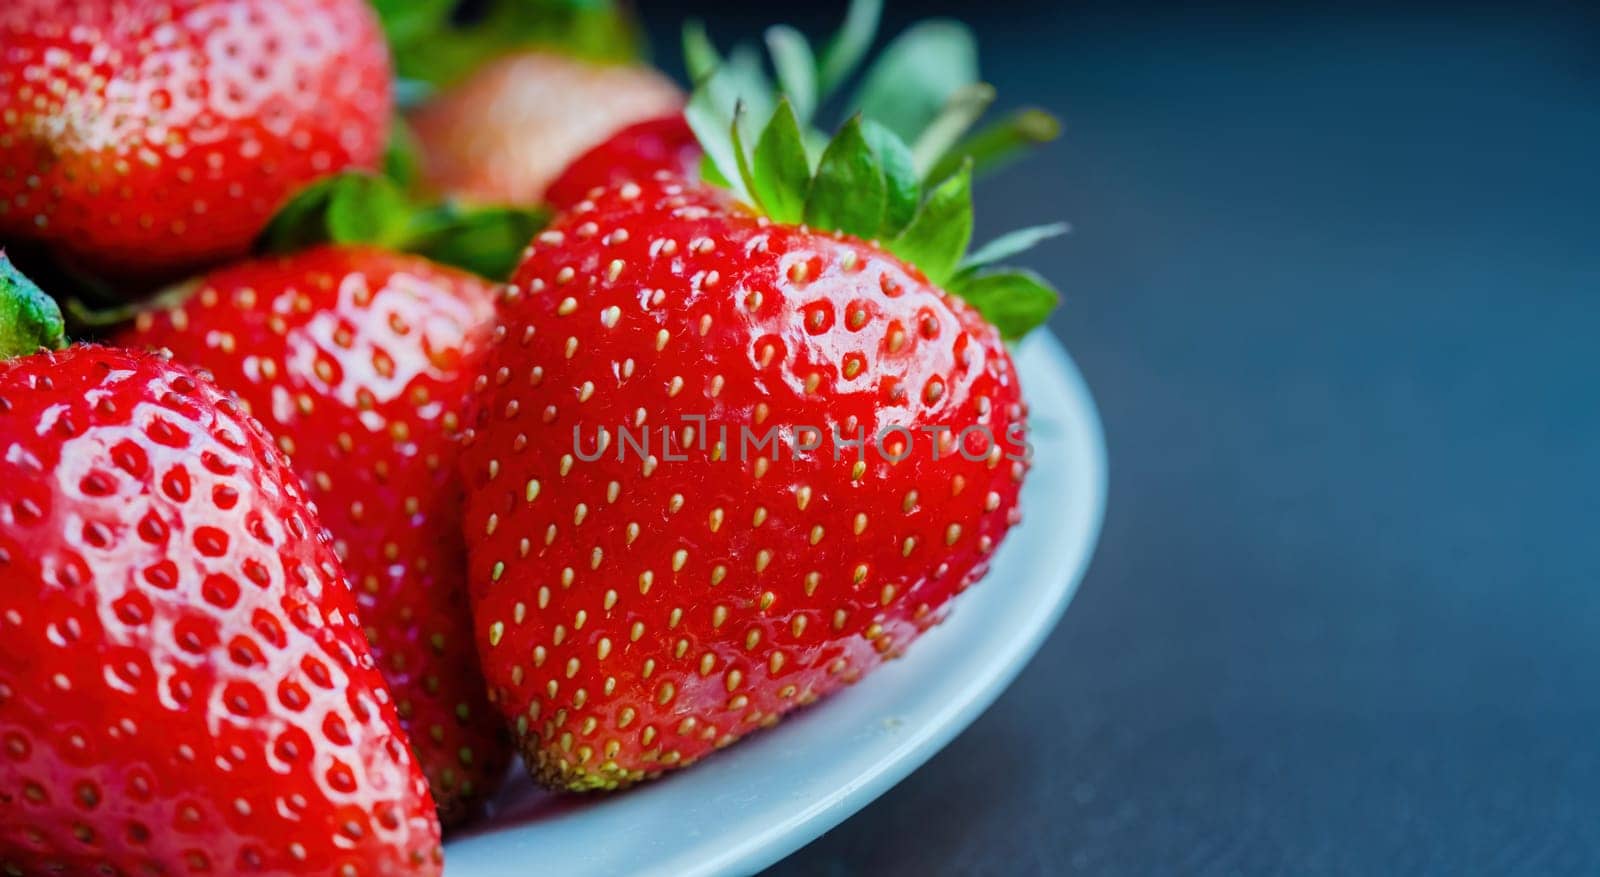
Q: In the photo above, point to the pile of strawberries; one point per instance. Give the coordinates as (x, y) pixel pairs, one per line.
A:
(550, 414)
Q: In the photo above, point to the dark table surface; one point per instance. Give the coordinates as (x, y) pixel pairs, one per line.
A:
(1335, 282)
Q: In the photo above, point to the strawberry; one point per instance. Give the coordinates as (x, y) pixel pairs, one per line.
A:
(146, 138)
(665, 143)
(733, 450)
(634, 613)
(184, 687)
(506, 132)
(359, 361)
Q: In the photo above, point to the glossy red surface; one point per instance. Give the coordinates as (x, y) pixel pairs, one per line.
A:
(141, 137)
(635, 613)
(359, 360)
(635, 153)
(183, 687)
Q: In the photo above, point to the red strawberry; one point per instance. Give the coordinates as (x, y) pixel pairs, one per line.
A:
(143, 138)
(635, 613)
(502, 135)
(183, 684)
(359, 360)
(732, 451)
(635, 153)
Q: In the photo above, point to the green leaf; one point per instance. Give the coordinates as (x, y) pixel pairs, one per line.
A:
(963, 108)
(747, 81)
(843, 53)
(367, 209)
(401, 155)
(848, 193)
(700, 57)
(304, 219)
(797, 68)
(360, 208)
(741, 156)
(488, 241)
(903, 190)
(710, 174)
(711, 121)
(710, 110)
(347, 208)
(782, 173)
(409, 21)
(997, 144)
(1010, 244)
(939, 234)
(1014, 300)
(29, 319)
(596, 30)
(910, 82)
(816, 143)
(298, 223)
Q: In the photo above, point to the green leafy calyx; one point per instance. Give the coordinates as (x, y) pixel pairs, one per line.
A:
(898, 171)
(432, 49)
(29, 319)
(355, 207)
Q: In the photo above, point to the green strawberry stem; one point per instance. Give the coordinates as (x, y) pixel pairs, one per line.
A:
(29, 319)
(86, 319)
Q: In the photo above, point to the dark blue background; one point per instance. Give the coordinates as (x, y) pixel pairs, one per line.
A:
(1335, 281)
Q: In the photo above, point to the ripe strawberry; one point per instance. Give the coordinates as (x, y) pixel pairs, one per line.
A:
(506, 132)
(183, 685)
(665, 143)
(635, 613)
(733, 450)
(359, 360)
(145, 138)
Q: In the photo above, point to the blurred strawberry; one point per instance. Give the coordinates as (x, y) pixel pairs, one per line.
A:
(148, 138)
(506, 132)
